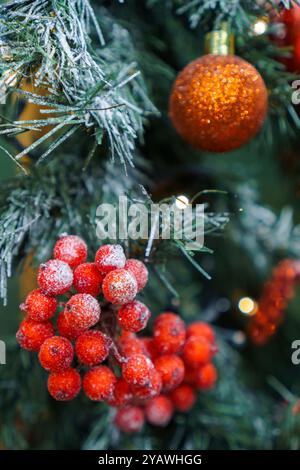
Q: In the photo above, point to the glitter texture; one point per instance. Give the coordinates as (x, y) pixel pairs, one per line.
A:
(218, 103)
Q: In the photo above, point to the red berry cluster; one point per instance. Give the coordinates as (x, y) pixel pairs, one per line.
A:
(273, 301)
(143, 377)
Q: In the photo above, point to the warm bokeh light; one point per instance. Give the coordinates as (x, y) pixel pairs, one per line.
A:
(260, 26)
(247, 306)
(182, 202)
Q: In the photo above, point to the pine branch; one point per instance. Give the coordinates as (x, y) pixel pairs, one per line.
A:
(88, 69)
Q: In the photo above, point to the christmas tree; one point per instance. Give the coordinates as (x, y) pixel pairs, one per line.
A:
(174, 328)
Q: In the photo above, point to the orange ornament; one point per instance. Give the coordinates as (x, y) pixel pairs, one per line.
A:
(218, 102)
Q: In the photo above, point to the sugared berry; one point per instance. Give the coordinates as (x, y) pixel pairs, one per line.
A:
(56, 354)
(133, 316)
(169, 333)
(130, 419)
(65, 328)
(31, 334)
(129, 344)
(110, 257)
(159, 410)
(99, 383)
(70, 249)
(152, 389)
(88, 279)
(82, 311)
(55, 277)
(206, 377)
(39, 306)
(183, 398)
(202, 330)
(171, 370)
(65, 385)
(197, 351)
(92, 347)
(119, 287)
(150, 348)
(139, 271)
(122, 394)
(137, 370)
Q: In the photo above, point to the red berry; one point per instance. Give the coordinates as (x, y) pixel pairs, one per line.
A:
(92, 347)
(130, 419)
(206, 377)
(152, 389)
(159, 410)
(183, 398)
(169, 333)
(56, 354)
(65, 385)
(55, 277)
(189, 376)
(82, 311)
(39, 306)
(88, 279)
(139, 271)
(137, 370)
(171, 370)
(31, 334)
(110, 257)
(70, 249)
(150, 348)
(122, 394)
(65, 328)
(129, 344)
(119, 287)
(202, 330)
(99, 383)
(197, 351)
(134, 316)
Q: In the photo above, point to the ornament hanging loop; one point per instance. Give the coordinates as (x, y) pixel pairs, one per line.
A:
(220, 42)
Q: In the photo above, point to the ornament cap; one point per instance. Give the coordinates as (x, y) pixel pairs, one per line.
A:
(220, 42)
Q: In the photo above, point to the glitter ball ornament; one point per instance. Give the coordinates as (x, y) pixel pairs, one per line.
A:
(130, 419)
(110, 257)
(139, 271)
(119, 287)
(137, 370)
(70, 249)
(159, 410)
(171, 369)
(65, 385)
(99, 383)
(88, 279)
(92, 347)
(31, 334)
(218, 102)
(183, 398)
(56, 354)
(169, 333)
(82, 311)
(55, 277)
(39, 306)
(134, 316)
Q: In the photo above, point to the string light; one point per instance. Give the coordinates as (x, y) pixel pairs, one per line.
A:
(260, 26)
(247, 306)
(182, 202)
